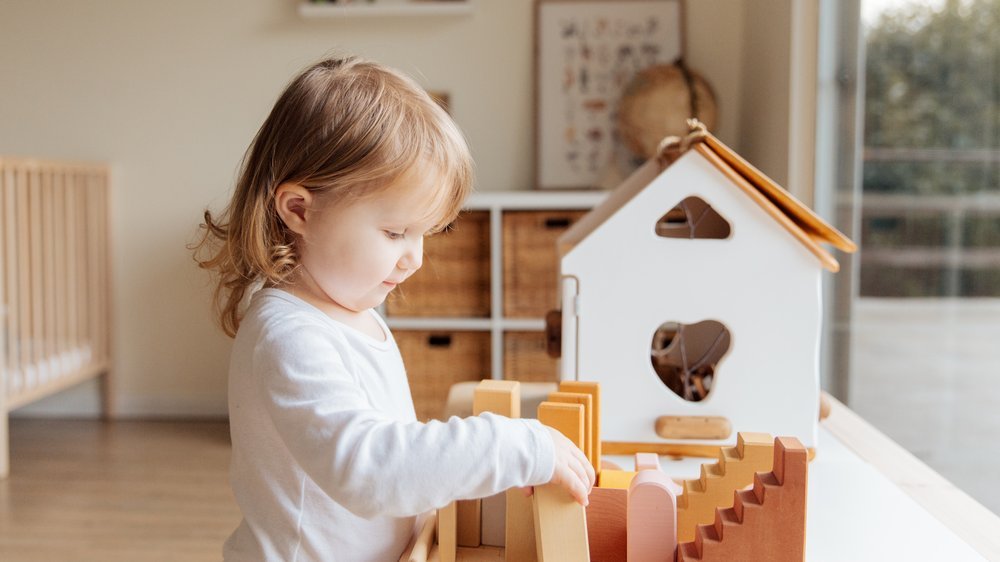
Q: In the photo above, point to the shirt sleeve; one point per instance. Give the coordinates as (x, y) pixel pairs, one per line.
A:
(373, 464)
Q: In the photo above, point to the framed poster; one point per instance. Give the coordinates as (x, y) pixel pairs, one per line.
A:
(586, 53)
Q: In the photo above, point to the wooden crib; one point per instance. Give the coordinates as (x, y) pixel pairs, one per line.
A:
(54, 282)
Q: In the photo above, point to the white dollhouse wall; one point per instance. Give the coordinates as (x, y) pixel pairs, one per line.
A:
(623, 281)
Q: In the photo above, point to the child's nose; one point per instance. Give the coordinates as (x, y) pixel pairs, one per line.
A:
(414, 256)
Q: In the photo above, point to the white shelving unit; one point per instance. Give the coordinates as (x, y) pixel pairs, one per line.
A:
(385, 8)
(496, 203)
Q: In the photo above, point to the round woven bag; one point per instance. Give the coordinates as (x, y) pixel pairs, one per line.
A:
(658, 102)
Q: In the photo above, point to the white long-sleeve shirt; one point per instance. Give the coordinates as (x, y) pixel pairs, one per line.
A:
(329, 461)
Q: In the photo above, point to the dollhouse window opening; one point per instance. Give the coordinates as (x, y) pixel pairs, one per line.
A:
(693, 219)
(686, 357)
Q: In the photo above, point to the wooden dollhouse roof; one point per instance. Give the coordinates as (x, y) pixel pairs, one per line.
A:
(800, 221)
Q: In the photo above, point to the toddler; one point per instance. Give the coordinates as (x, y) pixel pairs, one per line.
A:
(353, 167)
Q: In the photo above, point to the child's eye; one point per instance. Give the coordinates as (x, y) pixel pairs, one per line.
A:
(392, 235)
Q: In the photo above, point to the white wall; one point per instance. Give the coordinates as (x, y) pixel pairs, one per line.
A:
(171, 93)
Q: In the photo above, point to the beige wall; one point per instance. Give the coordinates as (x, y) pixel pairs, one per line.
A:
(171, 93)
(778, 107)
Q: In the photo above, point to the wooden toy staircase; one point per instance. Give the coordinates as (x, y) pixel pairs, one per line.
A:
(764, 523)
(735, 470)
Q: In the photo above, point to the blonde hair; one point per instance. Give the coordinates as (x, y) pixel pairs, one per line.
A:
(344, 129)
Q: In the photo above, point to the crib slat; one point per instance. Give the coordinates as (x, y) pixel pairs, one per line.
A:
(5, 266)
(24, 274)
(11, 300)
(94, 263)
(6, 373)
(99, 259)
(71, 280)
(5, 301)
(48, 264)
(37, 281)
(59, 269)
(108, 399)
(81, 259)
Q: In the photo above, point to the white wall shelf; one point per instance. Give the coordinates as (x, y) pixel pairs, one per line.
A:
(385, 9)
(430, 323)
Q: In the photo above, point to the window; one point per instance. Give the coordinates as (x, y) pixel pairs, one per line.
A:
(915, 323)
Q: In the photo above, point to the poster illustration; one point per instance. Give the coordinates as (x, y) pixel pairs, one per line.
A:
(587, 52)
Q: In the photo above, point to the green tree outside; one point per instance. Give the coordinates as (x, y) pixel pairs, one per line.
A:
(932, 129)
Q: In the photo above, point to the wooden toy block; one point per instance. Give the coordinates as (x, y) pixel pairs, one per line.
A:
(652, 518)
(734, 470)
(519, 535)
(509, 513)
(767, 522)
(607, 516)
(620, 479)
(594, 390)
(667, 449)
(647, 461)
(693, 427)
(824, 405)
(494, 519)
(460, 396)
(498, 397)
(419, 548)
(470, 521)
(564, 418)
(588, 415)
(560, 522)
(560, 526)
(651, 461)
(447, 526)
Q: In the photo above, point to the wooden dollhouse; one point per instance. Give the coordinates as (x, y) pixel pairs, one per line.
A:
(693, 296)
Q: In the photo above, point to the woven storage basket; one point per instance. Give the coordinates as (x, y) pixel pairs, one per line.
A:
(525, 358)
(435, 360)
(455, 277)
(531, 261)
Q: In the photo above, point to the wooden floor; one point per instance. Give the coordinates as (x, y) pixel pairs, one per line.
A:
(109, 492)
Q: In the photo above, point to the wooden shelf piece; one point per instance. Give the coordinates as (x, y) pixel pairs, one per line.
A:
(385, 9)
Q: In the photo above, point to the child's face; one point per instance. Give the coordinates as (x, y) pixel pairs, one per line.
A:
(358, 252)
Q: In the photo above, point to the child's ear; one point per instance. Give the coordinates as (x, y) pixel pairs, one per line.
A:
(291, 201)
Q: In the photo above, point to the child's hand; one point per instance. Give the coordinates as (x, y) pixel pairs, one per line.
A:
(573, 471)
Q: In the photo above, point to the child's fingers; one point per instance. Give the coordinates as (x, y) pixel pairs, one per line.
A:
(579, 486)
(528, 491)
(589, 475)
(583, 468)
(579, 491)
(580, 471)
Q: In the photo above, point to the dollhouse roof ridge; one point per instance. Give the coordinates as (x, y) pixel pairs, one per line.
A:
(796, 218)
